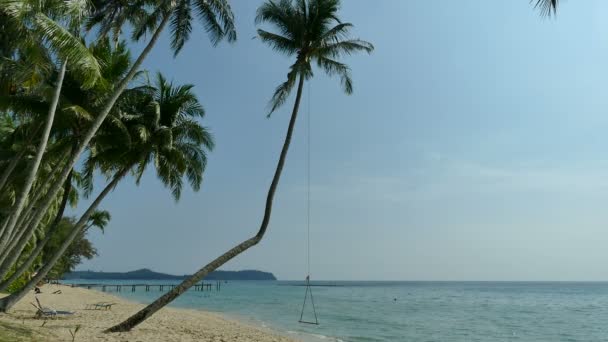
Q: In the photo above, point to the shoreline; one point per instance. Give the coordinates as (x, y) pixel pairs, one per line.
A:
(169, 324)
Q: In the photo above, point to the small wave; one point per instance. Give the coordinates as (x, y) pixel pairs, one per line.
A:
(324, 337)
(314, 337)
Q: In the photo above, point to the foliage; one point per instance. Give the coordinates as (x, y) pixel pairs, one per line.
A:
(311, 31)
(102, 115)
(80, 249)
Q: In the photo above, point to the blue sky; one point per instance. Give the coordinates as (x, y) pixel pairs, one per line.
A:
(473, 148)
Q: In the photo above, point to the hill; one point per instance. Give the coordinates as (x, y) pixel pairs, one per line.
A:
(147, 274)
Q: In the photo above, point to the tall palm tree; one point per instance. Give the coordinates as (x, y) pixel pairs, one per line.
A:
(73, 118)
(163, 130)
(69, 48)
(311, 31)
(54, 226)
(218, 20)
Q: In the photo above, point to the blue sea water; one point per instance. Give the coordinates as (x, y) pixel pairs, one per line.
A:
(413, 311)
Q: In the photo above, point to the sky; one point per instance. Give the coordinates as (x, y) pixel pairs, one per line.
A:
(473, 148)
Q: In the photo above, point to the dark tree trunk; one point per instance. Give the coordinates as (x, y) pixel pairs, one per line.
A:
(167, 298)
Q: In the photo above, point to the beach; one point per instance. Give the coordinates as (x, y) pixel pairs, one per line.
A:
(167, 325)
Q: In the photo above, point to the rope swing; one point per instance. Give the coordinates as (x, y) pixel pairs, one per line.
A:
(308, 287)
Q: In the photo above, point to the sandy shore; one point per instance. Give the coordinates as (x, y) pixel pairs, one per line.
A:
(167, 325)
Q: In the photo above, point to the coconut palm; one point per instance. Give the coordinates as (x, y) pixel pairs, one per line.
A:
(73, 118)
(161, 120)
(34, 16)
(40, 245)
(217, 18)
(310, 30)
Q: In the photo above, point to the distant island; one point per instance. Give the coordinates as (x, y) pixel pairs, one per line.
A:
(147, 274)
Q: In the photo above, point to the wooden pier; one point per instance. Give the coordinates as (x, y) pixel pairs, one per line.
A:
(149, 287)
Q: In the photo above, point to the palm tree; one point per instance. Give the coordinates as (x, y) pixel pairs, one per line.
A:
(54, 226)
(163, 130)
(310, 30)
(218, 20)
(69, 48)
(20, 239)
(73, 117)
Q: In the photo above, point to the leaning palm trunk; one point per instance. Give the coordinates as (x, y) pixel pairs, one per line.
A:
(26, 216)
(16, 248)
(14, 216)
(13, 164)
(158, 304)
(22, 225)
(40, 212)
(7, 302)
(40, 244)
(3, 228)
(11, 167)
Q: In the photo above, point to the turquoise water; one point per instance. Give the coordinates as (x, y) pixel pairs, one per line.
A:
(423, 311)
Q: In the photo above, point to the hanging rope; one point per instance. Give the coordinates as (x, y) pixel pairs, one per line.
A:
(308, 182)
(308, 288)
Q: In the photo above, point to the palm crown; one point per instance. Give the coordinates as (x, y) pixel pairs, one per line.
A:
(312, 31)
(144, 16)
(162, 128)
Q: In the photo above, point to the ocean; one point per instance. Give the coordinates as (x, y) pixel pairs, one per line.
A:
(410, 311)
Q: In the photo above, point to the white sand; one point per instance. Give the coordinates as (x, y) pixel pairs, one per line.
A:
(167, 325)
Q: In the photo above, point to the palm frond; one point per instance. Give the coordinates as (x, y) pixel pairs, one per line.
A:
(283, 90)
(69, 47)
(79, 113)
(100, 219)
(546, 7)
(197, 162)
(142, 25)
(345, 47)
(217, 18)
(181, 25)
(282, 15)
(76, 11)
(191, 131)
(333, 67)
(192, 108)
(278, 42)
(336, 33)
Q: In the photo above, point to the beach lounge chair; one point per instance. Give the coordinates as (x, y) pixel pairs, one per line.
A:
(99, 306)
(44, 312)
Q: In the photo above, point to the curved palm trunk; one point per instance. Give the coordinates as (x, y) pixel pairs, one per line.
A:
(14, 216)
(167, 298)
(40, 212)
(40, 245)
(7, 302)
